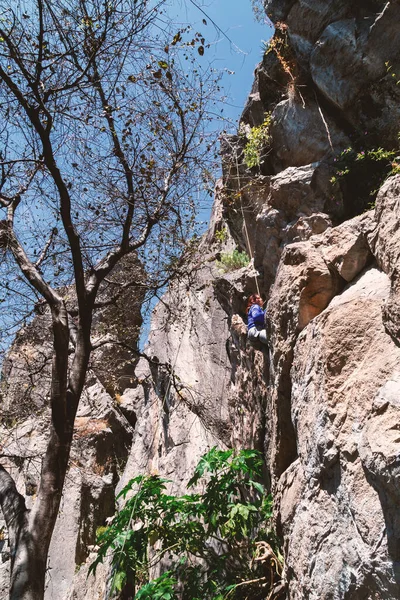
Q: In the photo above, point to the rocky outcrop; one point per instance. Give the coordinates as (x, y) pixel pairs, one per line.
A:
(326, 388)
(331, 441)
(321, 401)
(190, 396)
(339, 541)
(302, 134)
(384, 240)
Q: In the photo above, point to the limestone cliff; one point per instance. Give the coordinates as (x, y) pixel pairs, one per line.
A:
(322, 402)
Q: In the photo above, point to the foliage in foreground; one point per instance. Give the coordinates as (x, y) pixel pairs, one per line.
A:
(230, 261)
(215, 545)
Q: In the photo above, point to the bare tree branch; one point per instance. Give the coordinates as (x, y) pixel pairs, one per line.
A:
(46, 248)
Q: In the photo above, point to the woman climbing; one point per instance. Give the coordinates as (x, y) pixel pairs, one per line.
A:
(256, 319)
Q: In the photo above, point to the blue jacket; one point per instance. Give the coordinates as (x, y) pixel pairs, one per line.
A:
(255, 317)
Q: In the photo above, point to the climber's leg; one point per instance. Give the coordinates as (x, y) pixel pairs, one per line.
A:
(253, 334)
(262, 336)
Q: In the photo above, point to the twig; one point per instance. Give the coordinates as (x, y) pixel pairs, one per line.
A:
(46, 248)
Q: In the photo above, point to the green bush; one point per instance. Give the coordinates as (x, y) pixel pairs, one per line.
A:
(221, 235)
(257, 139)
(230, 261)
(217, 544)
(162, 588)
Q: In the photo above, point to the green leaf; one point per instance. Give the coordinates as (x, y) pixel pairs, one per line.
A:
(119, 580)
(260, 488)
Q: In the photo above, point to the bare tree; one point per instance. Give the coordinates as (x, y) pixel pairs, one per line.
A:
(101, 139)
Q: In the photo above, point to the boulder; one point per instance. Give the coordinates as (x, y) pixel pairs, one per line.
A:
(379, 450)
(385, 237)
(378, 111)
(270, 223)
(301, 135)
(277, 10)
(337, 539)
(349, 54)
(303, 228)
(384, 240)
(307, 20)
(301, 191)
(304, 286)
(271, 81)
(345, 247)
(336, 63)
(254, 111)
(291, 212)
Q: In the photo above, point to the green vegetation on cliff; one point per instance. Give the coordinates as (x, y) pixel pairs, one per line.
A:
(213, 544)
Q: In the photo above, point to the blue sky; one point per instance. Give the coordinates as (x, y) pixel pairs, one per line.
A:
(237, 58)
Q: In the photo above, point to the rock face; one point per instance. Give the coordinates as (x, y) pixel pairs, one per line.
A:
(321, 401)
(339, 542)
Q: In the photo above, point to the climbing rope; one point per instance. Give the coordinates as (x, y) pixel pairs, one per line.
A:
(248, 245)
(240, 193)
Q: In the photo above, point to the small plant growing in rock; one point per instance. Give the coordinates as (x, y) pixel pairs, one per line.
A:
(230, 261)
(213, 545)
(280, 46)
(393, 74)
(221, 235)
(257, 139)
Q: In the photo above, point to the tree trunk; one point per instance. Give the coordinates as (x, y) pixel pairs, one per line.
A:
(30, 532)
(28, 570)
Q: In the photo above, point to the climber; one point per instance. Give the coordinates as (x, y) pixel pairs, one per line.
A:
(256, 319)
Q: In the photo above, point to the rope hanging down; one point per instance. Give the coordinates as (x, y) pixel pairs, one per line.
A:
(240, 190)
